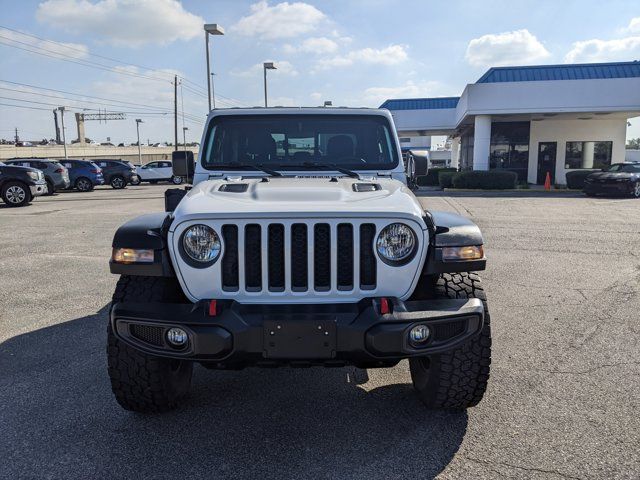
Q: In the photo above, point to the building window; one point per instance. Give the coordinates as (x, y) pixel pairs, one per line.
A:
(588, 155)
(466, 150)
(509, 149)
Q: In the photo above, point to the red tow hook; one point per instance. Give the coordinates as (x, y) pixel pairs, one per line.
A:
(213, 308)
(385, 306)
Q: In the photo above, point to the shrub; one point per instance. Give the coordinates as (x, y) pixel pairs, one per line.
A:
(421, 180)
(445, 179)
(488, 180)
(431, 178)
(575, 178)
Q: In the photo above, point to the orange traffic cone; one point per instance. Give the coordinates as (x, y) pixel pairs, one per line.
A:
(547, 182)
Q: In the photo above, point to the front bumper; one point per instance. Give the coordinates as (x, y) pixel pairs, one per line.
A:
(38, 189)
(330, 335)
(612, 188)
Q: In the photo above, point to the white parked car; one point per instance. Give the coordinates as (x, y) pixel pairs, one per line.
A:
(160, 171)
(299, 244)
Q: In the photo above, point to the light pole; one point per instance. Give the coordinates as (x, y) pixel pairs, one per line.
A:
(267, 66)
(213, 89)
(138, 122)
(184, 137)
(64, 137)
(211, 29)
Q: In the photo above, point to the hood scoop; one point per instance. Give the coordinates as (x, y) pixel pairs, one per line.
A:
(233, 187)
(366, 187)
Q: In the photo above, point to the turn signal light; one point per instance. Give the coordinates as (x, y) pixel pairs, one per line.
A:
(458, 254)
(132, 255)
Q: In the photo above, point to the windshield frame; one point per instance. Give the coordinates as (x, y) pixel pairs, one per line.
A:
(295, 167)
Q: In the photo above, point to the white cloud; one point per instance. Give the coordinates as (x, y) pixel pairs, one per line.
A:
(55, 49)
(123, 22)
(283, 20)
(391, 55)
(283, 67)
(634, 26)
(315, 45)
(316, 96)
(595, 50)
(375, 96)
(508, 48)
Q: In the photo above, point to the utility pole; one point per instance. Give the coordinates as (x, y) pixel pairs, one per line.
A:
(64, 137)
(55, 120)
(175, 112)
(17, 138)
(138, 122)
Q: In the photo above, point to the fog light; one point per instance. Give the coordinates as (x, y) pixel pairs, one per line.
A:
(177, 337)
(419, 335)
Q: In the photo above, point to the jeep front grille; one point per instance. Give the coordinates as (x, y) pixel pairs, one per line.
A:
(298, 257)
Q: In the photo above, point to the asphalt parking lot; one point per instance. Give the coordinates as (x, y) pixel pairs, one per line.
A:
(564, 288)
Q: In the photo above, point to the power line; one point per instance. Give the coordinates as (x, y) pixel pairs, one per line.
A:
(87, 63)
(104, 99)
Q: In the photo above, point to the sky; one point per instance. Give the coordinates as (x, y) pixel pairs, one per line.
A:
(122, 55)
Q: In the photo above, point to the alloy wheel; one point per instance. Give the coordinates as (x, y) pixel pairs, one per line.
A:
(84, 185)
(176, 180)
(636, 190)
(117, 182)
(16, 194)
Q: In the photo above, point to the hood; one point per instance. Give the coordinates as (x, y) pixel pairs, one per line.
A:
(8, 168)
(299, 197)
(611, 175)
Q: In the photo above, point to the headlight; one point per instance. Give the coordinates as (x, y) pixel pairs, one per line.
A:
(34, 175)
(396, 244)
(201, 244)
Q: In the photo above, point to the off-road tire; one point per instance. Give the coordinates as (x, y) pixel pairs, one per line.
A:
(456, 379)
(141, 382)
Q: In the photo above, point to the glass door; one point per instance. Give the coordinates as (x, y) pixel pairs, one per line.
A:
(547, 161)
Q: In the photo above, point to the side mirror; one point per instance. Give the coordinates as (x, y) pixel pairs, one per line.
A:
(183, 164)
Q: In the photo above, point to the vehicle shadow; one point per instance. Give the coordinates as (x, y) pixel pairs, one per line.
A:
(59, 420)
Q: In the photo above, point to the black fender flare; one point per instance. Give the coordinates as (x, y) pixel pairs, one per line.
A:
(451, 230)
(146, 232)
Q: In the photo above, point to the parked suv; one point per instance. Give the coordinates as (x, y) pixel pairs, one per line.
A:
(299, 244)
(56, 176)
(18, 185)
(84, 175)
(154, 172)
(118, 173)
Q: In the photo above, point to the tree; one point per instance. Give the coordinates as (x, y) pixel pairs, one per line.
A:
(634, 144)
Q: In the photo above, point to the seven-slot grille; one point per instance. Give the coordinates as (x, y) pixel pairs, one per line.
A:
(298, 257)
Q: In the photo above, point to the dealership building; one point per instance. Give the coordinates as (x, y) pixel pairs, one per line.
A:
(531, 120)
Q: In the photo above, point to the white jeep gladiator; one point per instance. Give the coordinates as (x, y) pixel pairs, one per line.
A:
(299, 244)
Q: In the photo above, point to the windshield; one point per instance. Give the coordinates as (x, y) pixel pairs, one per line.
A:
(621, 167)
(293, 141)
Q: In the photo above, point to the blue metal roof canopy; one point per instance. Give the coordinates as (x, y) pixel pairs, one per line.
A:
(421, 103)
(584, 71)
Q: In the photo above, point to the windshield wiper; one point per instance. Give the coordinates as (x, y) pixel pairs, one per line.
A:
(247, 166)
(326, 166)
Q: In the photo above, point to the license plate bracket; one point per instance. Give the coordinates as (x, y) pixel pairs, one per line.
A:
(296, 338)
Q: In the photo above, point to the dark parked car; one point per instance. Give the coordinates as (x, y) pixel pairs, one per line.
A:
(618, 179)
(118, 173)
(18, 185)
(84, 175)
(56, 176)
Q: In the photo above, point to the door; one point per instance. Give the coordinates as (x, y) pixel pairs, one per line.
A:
(547, 161)
(149, 171)
(166, 170)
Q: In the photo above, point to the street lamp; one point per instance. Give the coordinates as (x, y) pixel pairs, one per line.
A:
(64, 137)
(184, 137)
(267, 66)
(211, 29)
(138, 122)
